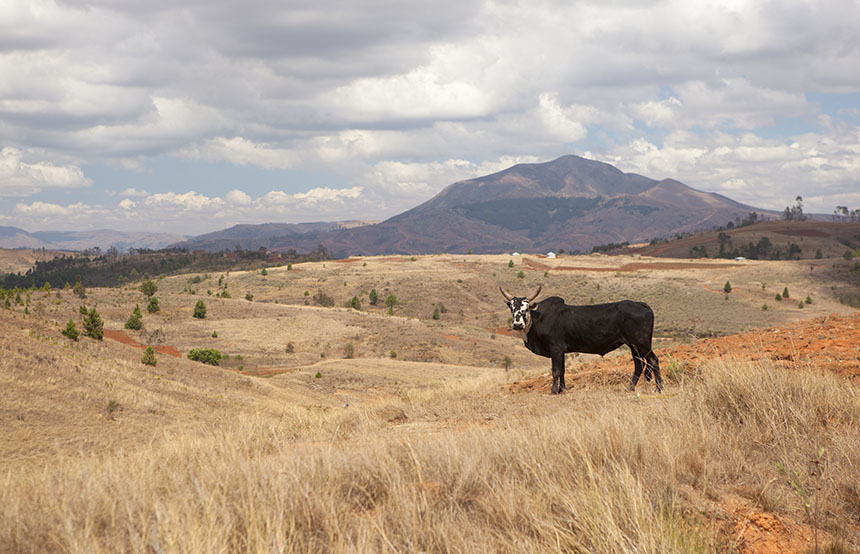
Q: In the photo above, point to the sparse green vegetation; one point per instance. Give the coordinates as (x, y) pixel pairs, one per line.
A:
(208, 356)
(93, 324)
(148, 288)
(148, 357)
(200, 309)
(135, 321)
(71, 331)
(322, 299)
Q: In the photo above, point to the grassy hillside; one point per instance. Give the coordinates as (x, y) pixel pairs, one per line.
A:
(414, 439)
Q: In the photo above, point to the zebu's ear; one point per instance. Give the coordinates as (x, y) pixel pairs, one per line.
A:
(507, 296)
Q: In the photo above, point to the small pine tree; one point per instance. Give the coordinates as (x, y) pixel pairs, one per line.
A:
(70, 331)
(374, 297)
(727, 288)
(391, 301)
(200, 310)
(135, 322)
(436, 313)
(511, 263)
(785, 292)
(149, 288)
(93, 325)
(152, 307)
(263, 272)
(778, 297)
(149, 356)
(808, 299)
(79, 289)
(355, 303)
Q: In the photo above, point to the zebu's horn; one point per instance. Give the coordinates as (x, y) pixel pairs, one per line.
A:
(535, 294)
(507, 296)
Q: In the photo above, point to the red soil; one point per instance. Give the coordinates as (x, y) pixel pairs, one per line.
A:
(121, 337)
(830, 343)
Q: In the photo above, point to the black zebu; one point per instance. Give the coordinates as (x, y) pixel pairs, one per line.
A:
(551, 328)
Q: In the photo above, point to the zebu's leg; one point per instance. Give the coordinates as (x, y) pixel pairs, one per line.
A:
(557, 372)
(637, 369)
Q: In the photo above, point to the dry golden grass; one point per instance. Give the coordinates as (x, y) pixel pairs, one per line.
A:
(461, 468)
(427, 451)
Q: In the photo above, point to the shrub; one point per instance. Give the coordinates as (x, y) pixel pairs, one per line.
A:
(507, 363)
(93, 325)
(153, 306)
(764, 307)
(808, 299)
(521, 275)
(436, 313)
(249, 297)
(290, 348)
(263, 272)
(727, 287)
(322, 299)
(70, 331)
(149, 288)
(200, 310)
(135, 322)
(785, 292)
(778, 297)
(112, 408)
(149, 356)
(391, 301)
(374, 297)
(355, 303)
(214, 334)
(510, 263)
(349, 350)
(225, 294)
(205, 355)
(79, 289)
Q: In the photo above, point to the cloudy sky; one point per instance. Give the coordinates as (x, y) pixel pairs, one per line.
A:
(193, 115)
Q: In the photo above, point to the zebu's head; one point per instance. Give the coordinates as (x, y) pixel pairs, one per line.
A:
(521, 307)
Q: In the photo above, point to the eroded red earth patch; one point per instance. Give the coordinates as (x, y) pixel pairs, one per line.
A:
(121, 337)
(830, 343)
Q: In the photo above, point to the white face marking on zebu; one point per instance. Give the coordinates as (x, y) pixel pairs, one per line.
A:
(519, 313)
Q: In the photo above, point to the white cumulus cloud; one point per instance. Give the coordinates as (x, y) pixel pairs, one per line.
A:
(20, 178)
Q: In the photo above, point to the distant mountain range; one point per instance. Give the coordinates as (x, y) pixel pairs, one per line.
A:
(13, 237)
(570, 203)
